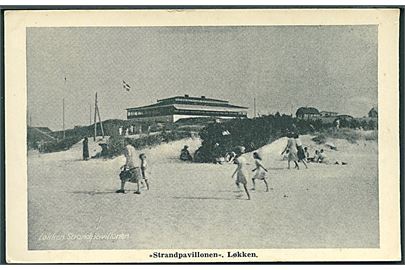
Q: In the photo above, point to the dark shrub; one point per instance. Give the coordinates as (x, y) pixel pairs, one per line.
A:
(60, 145)
(221, 138)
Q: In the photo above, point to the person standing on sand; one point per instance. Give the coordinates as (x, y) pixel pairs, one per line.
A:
(144, 166)
(86, 148)
(292, 151)
(261, 171)
(130, 167)
(241, 171)
(300, 150)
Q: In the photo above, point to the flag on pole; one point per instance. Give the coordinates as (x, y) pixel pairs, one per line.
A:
(126, 86)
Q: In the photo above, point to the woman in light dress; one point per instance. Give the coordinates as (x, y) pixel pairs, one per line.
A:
(260, 171)
(131, 166)
(292, 151)
(242, 172)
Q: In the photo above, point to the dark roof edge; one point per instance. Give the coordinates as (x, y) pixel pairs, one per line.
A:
(194, 98)
(157, 105)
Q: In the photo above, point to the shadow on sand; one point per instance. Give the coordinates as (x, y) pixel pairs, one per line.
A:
(276, 169)
(92, 193)
(204, 198)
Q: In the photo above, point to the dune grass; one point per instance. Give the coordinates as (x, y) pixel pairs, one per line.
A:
(351, 135)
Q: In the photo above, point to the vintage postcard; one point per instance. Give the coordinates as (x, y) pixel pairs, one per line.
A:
(202, 135)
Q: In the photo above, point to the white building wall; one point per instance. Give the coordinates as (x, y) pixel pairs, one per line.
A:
(180, 116)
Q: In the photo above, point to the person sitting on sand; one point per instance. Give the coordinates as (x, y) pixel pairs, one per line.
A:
(229, 157)
(292, 151)
(241, 171)
(129, 167)
(185, 154)
(322, 157)
(306, 153)
(314, 158)
(144, 166)
(261, 172)
(219, 160)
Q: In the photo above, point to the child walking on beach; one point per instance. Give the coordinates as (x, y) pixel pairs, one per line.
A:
(261, 171)
(241, 171)
(300, 150)
(144, 166)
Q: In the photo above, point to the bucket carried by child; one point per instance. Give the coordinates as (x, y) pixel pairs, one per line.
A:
(132, 175)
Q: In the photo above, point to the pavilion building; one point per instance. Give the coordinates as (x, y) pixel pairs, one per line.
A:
(180, 107)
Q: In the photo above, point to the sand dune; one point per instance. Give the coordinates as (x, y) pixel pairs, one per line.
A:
(194, 205)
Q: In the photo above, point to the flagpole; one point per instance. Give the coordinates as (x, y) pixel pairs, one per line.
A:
(63, 110)
(254, 107)
(95, 118)
(101, 123)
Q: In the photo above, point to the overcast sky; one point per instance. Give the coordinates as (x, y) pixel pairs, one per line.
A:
(329, 67)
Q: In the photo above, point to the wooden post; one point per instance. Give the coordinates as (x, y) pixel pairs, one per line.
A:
(97, 113)
(101, 123)
(95, 118)
(63, 117)
(254, 107)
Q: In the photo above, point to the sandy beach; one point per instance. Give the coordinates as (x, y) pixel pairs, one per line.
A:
(72, 203)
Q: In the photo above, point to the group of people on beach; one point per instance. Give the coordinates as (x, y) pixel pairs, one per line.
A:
(135, 169)
(295, 151)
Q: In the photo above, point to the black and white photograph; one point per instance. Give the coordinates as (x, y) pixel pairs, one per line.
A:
(216, 139)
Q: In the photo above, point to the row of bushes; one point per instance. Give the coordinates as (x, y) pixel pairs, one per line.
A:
(221, 138)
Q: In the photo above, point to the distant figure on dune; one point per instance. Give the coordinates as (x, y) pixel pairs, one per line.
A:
(185, 154)
(300, 150)
(292, 151)
(86, 148)
(260, 171)
(130, 172)
(241, 171)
